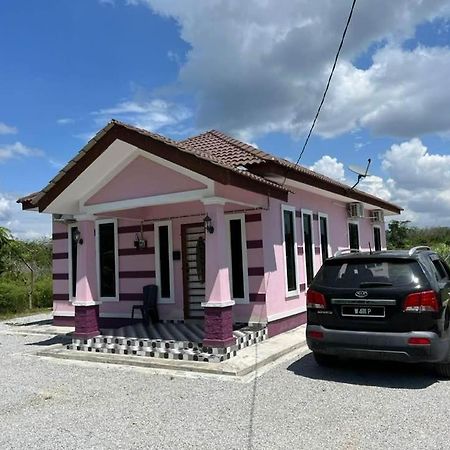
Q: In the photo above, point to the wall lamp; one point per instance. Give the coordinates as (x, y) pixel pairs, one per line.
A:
(76, 236)
(208, 224)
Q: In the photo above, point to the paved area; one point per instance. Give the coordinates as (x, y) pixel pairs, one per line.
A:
(48, 403)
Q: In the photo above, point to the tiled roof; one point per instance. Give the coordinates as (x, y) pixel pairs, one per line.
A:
(225, 152)
(236, 153)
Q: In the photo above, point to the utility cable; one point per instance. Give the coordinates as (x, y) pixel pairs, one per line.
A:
(326, 88)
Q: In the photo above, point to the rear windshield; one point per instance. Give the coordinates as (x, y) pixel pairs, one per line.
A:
(367, 274)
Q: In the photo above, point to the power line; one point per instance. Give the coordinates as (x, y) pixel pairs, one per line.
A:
(327, 86)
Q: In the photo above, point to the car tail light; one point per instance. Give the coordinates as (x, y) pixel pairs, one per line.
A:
(315, 334)
(419, 341)
(425, 301)
(315, 300)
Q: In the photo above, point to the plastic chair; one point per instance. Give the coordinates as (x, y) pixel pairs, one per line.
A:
(149, 308)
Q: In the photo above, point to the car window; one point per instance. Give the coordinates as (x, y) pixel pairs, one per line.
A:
(441, 273)
(369, 273)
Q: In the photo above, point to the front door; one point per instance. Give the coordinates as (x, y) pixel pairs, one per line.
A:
(193, 248)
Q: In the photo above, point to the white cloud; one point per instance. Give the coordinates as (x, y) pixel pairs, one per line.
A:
(18, 150)
(65, 121)
(151, 115)
(331, 167)
(7, 129)
(415, 179)
(22, 224)
(259, 66)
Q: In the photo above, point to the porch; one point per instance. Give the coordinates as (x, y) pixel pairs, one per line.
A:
(180, 340)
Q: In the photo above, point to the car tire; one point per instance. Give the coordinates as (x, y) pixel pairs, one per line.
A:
(324, 360)
(443, 369)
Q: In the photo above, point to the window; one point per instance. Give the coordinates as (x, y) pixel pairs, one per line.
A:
(238, 257)
(163, 261)
(107, 259)
(324, 243)
(440, 270)
(308, 244)
(353, 235)
(377, 238)
(290, 249)
(370, 273)
(73, 261)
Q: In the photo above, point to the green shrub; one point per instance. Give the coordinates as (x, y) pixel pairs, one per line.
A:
(443, 250)
(13, 296)
(43, 293)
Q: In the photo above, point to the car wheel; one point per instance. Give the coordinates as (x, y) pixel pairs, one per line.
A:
(324, 360)
(443, 369)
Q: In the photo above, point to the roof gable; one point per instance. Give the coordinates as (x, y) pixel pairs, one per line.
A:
(143, 178)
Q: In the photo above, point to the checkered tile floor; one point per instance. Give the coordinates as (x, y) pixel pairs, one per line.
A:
(184, 349)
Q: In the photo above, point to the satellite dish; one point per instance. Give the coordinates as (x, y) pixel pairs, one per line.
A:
(360, 171)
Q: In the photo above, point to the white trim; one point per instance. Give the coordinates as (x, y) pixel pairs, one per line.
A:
(103, 181)
(309, 213)
(294, 292)
(69, 251)
(228, 219)
(218, 304)
(373, 235)
(356, 222)
(63, 313)
(167, 223)
(153, 200)
(284, 314)
(214, 200)
(87, 303)
(330, 251)
(97, 257)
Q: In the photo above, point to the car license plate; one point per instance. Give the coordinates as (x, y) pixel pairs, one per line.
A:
(362, 311)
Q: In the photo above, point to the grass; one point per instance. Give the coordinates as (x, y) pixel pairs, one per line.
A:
(28, 312)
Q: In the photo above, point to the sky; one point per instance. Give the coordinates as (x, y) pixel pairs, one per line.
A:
(255, 70)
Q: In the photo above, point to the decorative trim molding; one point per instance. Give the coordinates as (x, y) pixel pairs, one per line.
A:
(62, 255)
(60, 236)
(218, 304)
(136, 251)
(137, 274)
(284, 314)
(60, 276)
(255, 271)
(257, 298)
(88, 303)
(255, 244)
(61, 297)
(253, 218)
(135, 228)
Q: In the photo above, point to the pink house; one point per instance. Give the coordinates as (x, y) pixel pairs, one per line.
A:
(228, 233)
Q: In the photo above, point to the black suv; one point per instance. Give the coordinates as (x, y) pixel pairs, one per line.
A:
(390, 305)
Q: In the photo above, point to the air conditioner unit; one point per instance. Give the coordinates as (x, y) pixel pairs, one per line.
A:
(355, 210)
(377, 215)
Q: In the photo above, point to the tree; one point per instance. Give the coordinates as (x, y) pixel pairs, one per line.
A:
(397, 234)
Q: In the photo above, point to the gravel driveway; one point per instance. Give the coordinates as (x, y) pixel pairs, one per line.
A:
(48, 404)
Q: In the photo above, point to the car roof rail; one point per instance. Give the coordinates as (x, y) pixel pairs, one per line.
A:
(419, 248)
(344, 251)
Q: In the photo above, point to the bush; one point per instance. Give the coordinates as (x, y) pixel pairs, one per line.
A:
(43, 293)
(443, 250)
(13, 296)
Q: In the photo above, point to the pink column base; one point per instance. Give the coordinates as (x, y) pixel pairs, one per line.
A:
(86, 321)
(219, 327)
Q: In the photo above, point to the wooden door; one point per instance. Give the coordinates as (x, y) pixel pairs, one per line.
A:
(193, 254)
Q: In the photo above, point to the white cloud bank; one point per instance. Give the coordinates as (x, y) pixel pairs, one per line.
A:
(17, 150)
(22, 224)
(417, 180)
(260, 66)
(152, 114)
(7, 129)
